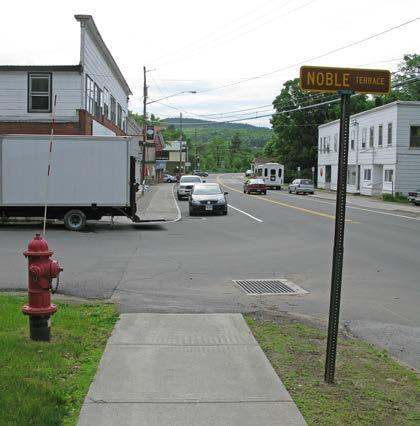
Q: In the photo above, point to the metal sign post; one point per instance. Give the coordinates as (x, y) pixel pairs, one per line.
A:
(345, 81)
(340, 217)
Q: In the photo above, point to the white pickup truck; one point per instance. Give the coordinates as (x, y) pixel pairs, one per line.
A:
(414, 197)
(186, 184)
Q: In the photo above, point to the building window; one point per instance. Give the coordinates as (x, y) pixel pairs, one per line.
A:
(119, 116)
(97, 101)
(352, 140)
(335, 141)
(265, 172)
(320, 144)
(364, 138)
(380, 134)
(371, 136)
(414, 136)
(367, 174)
(106, 102)
(389, 174)
(124, 121)
(351, 175)
(113, 110)
(39, 92)
(90, 99)
(389, 133)
(325, 144)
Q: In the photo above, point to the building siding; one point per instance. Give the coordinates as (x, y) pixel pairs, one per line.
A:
(404, 162)
(408, 159)
(96, 66)
(14, 97)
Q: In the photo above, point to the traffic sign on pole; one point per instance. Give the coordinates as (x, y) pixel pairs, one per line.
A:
(344, 81)
(332, 80)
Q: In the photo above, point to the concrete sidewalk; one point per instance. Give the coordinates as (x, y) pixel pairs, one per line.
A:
(368, 202)
(158, 204)
(186, 369)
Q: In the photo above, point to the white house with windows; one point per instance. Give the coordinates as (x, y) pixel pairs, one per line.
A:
(90, 98)
(384, 150)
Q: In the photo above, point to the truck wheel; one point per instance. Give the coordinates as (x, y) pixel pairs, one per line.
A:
(74, 220)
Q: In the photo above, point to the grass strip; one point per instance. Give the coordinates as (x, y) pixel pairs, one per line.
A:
(45, 383)
(371, 388)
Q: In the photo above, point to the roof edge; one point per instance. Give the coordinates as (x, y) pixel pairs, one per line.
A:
(391, 104)
(90, 24)
(71, 68)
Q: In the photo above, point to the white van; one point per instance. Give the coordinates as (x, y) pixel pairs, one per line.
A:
(272, 173)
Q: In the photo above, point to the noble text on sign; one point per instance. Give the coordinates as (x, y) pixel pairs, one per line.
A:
(358, 80)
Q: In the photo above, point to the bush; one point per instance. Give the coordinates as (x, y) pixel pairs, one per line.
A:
(397, 198)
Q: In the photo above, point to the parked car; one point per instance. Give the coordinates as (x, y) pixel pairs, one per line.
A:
(186, 184)
(303, 186)
(248, 173)
(200, 173)
(414, 197)
(169, 178)
(255, 185)
(208, 198)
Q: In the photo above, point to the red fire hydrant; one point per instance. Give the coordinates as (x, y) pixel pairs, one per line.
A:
(41, 271)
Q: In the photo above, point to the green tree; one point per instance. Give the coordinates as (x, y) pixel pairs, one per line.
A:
(408, 69)
(295, 129)
(234, 149)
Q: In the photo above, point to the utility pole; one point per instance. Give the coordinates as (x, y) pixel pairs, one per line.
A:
(180, 144)
(195, 143)
(143, 157)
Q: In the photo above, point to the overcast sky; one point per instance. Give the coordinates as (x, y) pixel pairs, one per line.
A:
(202, 45)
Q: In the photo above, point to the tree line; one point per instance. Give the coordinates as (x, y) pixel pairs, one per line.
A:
(294, 142)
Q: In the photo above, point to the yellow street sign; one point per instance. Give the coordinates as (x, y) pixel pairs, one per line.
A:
(358, 80)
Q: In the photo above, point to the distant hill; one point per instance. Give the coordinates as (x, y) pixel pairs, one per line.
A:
(251, 136)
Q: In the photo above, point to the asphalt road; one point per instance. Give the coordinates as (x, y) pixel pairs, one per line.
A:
(188, 266)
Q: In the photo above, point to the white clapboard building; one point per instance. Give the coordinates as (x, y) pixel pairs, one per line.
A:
(91, 96)
(384, 150)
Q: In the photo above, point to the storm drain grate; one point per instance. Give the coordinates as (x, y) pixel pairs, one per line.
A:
(269, 287)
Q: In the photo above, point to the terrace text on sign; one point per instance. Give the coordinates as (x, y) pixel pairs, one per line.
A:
(323, 79)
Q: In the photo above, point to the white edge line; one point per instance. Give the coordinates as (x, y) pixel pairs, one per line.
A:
(245, 213)
(384, 213)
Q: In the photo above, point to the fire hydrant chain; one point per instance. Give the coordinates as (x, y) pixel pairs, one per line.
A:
(54, 290)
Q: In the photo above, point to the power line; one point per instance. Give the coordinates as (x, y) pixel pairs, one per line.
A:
(408, 81)
(226, 27)
(299, 108)
(268, 105)
(355, 43)
(305, 98)
(230, 35)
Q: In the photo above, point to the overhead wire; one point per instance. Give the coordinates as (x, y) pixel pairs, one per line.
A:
(226, 27)
(355, 43)
(232, 35)
(299, 108)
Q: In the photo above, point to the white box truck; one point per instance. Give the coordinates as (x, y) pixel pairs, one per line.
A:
(272, 173)
(91, 177)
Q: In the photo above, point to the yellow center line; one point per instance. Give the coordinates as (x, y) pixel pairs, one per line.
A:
(270, 200)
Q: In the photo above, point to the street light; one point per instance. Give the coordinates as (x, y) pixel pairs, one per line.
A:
(170, 96)
(143, 160)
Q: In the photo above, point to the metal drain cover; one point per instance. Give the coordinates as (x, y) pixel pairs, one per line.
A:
(266, 287)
